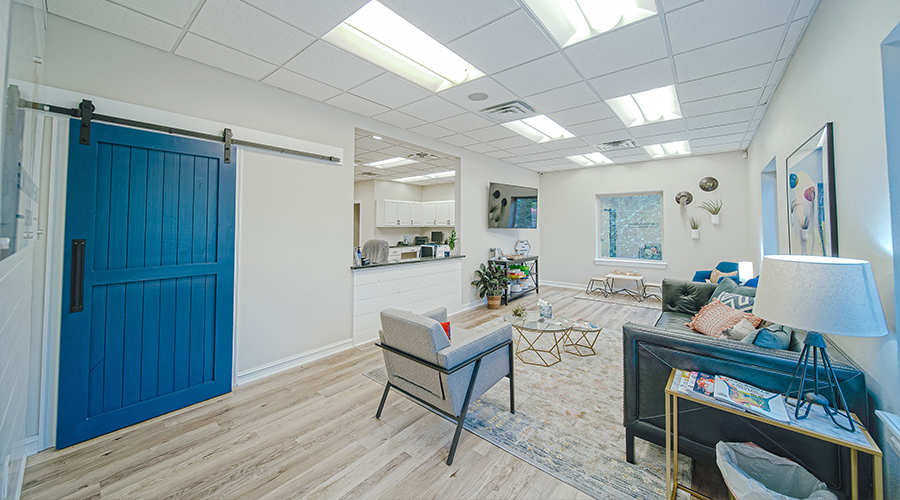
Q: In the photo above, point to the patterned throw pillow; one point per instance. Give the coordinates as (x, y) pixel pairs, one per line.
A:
(716, 275)
(737, 301)
(715, 317)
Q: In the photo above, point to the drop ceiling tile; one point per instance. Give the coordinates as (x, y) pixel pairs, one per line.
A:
(777, 71)
(459, 140)
(481, 148)
(722, 103)
(734, 128)
(446, 21)
(497, 94)
(513, 40)
(638, 158)
(499, 154)
(670, 5)
(491, 133)
(716, 141)
(595, 139)
(573, 142)
(767, 94)
(571, 96)
(759, 112)
(431, 130)
(389, 90)
(432, 109)
(633, 80)
(727, 56)
(715, 21)
(512, 142)
(667, 127)
(581, 114)
(527, 150)
(298, 84)
(328, 64)
(357, 105)
(376, 156)
(312, 16)
(623, 48)
(220, 56)
(397, 152)
(542, 156)
(624, 153)
(538, 76)
(175, 12)
(719, 148)
(580, 150)
(371, 144)
(726, 118)
(595, 127)
(399, 119)
(117, 20)
(464, 123)
(541, 168)
(805, 8)
(663, 138)
(795, 31)
(249, 30)
(753, 77)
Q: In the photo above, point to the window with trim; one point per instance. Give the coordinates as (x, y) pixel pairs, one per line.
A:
(630, 226)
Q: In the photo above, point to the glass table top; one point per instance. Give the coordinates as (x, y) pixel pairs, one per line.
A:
(534, 322)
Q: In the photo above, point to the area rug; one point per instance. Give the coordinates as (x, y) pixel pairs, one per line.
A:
(568, 423)
(622, 299)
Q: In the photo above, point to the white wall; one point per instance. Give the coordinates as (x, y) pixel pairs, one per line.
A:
(364, 192)
(567, 211)
(439, 192)
(293, 275)
(835, 76)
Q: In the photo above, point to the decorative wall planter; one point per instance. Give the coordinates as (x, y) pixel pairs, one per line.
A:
(715, 219)
(695, 234)
(804, 234)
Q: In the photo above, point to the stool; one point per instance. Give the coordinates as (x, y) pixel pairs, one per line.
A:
(646, 295)
(603, 289)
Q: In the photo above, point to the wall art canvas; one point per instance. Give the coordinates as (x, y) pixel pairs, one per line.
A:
(812, 213)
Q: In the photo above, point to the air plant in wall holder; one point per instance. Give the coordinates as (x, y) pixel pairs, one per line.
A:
(695, 228)
(684, 198)
(713, 207)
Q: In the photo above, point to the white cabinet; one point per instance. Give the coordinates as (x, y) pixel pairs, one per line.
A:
(401, 213)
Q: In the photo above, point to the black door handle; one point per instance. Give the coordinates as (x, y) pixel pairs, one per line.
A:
(76, 295)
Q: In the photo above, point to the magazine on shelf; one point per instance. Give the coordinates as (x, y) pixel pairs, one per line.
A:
(696, 383)
(750, 398)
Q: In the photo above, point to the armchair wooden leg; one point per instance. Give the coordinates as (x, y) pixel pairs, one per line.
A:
(512, 382)
(387, 388)
(462, 416)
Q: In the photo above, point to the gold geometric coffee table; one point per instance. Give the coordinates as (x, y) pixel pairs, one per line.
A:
(586, 335)
(538, 333)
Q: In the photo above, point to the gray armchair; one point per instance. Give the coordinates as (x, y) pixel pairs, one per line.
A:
(422, 363)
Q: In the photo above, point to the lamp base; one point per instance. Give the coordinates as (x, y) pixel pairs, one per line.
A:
(815, 344)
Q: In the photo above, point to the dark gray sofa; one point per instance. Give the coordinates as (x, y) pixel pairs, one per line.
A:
(650, 353)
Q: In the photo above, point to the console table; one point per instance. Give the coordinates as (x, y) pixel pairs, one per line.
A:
(532, 263)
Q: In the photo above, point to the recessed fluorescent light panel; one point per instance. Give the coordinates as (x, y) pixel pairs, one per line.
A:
(539, 129)
(650, 106)
(391, 162)
(677, 148)
(571, 21)
(439, 175)
(377, 34)
(590, 159)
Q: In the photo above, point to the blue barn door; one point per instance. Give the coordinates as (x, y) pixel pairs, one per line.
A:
(148, 280)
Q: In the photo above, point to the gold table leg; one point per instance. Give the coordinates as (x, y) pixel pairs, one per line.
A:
(555, 357)
(854, 475)
(668, 448)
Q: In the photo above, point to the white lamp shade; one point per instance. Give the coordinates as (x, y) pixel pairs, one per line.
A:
(828, 295)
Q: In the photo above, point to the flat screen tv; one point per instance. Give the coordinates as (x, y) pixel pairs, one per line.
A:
(512, 207)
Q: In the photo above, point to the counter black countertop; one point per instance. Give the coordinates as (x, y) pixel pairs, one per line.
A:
(408, 261)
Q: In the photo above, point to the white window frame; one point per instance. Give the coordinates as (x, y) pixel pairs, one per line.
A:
(621, 261)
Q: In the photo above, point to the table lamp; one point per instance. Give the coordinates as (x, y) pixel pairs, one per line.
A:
(821, 295)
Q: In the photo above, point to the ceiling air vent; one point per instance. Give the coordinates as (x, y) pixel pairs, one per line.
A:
(423, 156)
(368, 173)
(508, 111)
(615, 145)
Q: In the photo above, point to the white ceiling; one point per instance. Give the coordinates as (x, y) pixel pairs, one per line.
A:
(368, 149)
(725, 58)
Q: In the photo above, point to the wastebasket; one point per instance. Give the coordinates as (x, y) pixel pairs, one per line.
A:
(752, 473)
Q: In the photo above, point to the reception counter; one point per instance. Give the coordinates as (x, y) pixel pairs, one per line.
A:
(417, 285)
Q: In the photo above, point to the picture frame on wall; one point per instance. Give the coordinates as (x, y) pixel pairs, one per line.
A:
(812, 212)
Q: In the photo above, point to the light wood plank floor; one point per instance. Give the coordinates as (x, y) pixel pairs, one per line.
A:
(309, 432)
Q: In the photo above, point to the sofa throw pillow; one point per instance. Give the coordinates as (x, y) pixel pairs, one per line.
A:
(738, 331)
(446, 326)
(724, 286)
(717, 275)
(737, 301)
(773, 339)
(715, 317)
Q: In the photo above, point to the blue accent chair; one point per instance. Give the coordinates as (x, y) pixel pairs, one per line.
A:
(752, 282)
(723, 267)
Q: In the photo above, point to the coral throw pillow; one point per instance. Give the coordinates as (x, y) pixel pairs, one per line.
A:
(715, 317)
(446, 325)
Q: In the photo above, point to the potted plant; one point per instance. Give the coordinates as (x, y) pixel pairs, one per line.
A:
(491, 281)
(695, 228)
(452, 242)
(520, 312)
(713, 207)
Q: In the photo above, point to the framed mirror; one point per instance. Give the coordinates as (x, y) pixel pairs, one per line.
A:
(812, 213)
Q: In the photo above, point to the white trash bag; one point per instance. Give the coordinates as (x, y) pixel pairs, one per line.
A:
(753, 473)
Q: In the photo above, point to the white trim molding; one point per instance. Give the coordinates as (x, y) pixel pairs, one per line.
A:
(292, 362)
(573, 286)
(891, 426)
(649, 264)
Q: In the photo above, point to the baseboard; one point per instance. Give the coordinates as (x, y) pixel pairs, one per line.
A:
(30, 446)
(364, 342)
(574, 286)
(472, 305)
(292, 362)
